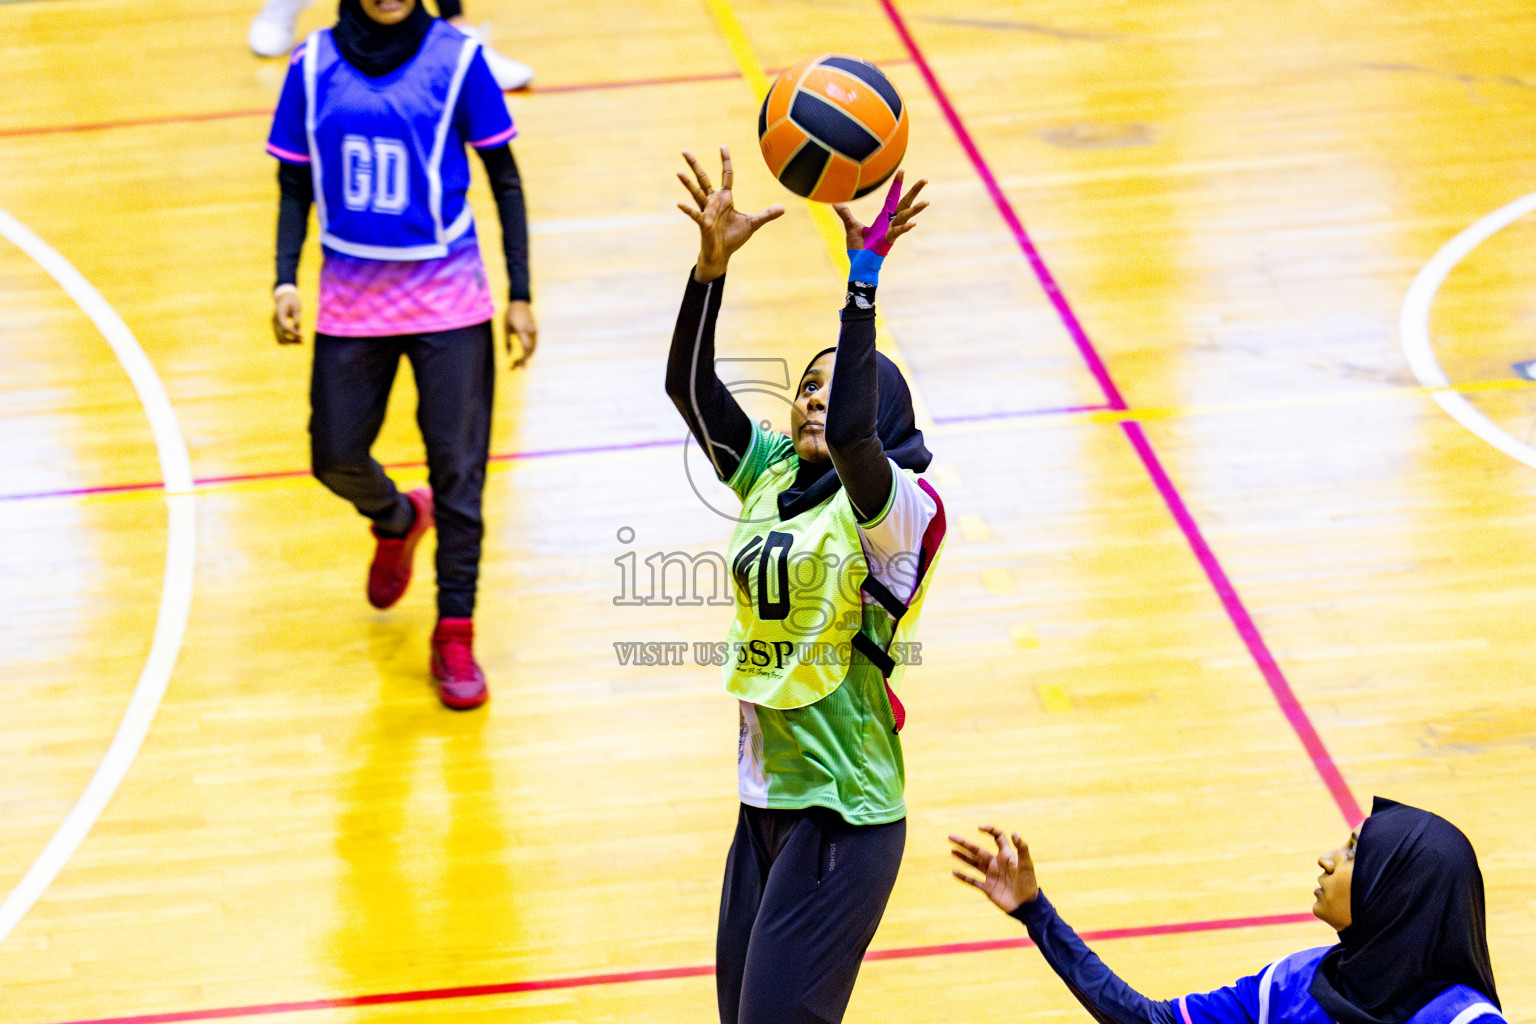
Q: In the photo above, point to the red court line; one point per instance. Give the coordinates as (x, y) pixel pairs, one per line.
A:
(1145, 931)
(661, 974)
(1242, 621)
(639, 83)
(234, 115)
(138, 122)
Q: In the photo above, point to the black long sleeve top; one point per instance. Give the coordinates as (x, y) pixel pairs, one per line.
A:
(1102, 992)
(853, 430)
(297, 191)
(722, 429)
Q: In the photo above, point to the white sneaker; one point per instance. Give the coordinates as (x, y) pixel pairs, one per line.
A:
(509, 73)
(271, 32)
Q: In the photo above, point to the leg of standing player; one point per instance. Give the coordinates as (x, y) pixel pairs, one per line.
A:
(804, 892)
(455, 381)
(746, 874)
(348, 394)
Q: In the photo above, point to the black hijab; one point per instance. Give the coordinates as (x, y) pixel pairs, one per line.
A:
(896, 424)
(1417, 922)
(376, 49)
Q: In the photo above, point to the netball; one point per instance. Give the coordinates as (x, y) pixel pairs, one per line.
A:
(832, 128)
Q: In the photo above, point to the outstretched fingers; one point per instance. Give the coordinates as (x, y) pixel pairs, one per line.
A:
(899, 228)
(698, 172)
(912, 192)
(893, 194)
(698, 189)
(904, 216)
(971, 855)
(726, 174)
(853, 231)
(697, 193)
(906, 213)
(757, 220)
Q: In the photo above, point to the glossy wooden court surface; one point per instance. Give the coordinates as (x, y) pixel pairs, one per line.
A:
(1220, 567)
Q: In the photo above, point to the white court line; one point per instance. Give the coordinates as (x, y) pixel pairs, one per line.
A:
(1413, 327)
(175, 593)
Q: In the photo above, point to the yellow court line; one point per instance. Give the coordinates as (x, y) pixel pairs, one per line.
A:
(1144, 414)
(1153, 413)
(827, 223)
(741, 50)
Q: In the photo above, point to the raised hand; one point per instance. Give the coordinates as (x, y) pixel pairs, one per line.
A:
(722, 228)
(894, 220)
(1008, 876)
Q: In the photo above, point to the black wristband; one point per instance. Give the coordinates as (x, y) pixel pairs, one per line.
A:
(860, 301)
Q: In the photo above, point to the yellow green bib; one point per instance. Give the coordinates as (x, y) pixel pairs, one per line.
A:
(798, 603)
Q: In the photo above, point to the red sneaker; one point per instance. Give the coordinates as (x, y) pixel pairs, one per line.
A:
(460, 683)
(390, 572)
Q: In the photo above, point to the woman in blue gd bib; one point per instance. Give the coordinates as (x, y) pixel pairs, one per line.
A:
(831, 559)
(371, 129)
(1404, 893)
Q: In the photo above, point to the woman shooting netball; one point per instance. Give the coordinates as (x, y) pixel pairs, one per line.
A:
(822, 824)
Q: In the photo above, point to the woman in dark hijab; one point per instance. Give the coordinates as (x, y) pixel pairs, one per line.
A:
(831, 558)
(371, 129)
(378, 47)
(1404, 893)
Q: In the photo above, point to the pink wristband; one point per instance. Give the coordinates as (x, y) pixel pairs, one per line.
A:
(874, 235)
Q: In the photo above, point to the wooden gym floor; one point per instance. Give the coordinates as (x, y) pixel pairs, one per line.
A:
(1223, 563)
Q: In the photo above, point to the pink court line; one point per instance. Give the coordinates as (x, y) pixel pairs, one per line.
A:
(288, 474)
(667, 973)
(1242, 621)
(1019, 414)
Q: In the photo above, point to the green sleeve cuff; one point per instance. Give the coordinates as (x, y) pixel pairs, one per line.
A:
(890, 503)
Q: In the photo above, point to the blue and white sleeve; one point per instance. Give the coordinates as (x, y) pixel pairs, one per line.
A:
(289, 140)
(1234, 1004)
(481, 116)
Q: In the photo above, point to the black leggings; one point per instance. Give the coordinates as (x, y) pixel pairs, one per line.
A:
(455, 381)
(804, 891)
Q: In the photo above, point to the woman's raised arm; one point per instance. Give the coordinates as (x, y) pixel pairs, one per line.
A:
(853, 410)
(712, 415)
(1008, 880)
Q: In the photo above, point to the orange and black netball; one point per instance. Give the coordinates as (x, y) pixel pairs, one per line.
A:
(832, 128)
